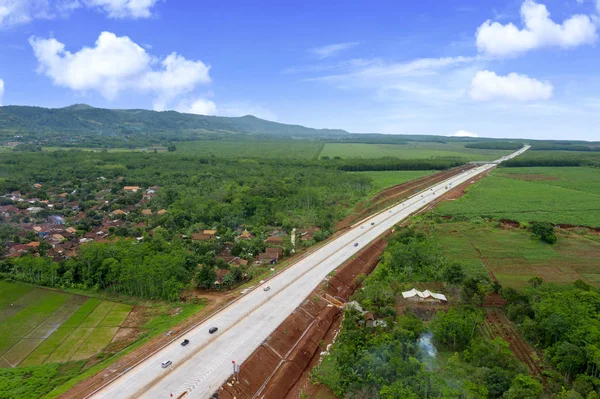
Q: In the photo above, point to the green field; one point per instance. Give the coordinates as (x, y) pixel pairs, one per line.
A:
(287, 149)
(551, 194)
(45, 326)
(514, 257)
(385, 179)
(412, 150)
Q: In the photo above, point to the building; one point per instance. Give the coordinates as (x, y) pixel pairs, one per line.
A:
(245, 235)
(133, 189)
(425, 296)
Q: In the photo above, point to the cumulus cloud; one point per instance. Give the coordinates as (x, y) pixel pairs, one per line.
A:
(331, 49)
(116, 64)
(464, 133)
(487, 86)
(123, 8)
(1, 90)
(16, 12)
(538, 31)
(200, 106)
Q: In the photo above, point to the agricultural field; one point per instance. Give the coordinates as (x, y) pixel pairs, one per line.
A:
(514, 257)
(39, 326)
(390, 178)
(286, 149)
(412, 150)
(560, 195)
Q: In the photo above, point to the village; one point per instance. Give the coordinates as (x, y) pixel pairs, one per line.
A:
(42, 221)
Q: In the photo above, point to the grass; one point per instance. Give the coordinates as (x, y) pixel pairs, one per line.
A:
(385, 179)
(514, 257)
(551, 194)
(34, 381)
(252, 148)
(412, 150)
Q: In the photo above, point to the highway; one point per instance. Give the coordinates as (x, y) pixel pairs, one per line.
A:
(200, 368)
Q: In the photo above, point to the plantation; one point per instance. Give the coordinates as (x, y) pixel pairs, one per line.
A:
(412, 150)
(555, 195)
(385, 179)
(42, 326)
(234, 149)
(514, 257)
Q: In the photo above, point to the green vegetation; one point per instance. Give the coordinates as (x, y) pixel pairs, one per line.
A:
(554, 158)
(388, 361)
(385, 179)
(412, 150)
(81, 125)
(562, 321)
(555, 195)
(265, 149)
(35, 381)
(514, 257)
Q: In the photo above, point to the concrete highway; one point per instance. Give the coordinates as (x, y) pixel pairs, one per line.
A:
(199, 368)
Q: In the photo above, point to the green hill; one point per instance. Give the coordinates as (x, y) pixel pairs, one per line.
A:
(82, 124)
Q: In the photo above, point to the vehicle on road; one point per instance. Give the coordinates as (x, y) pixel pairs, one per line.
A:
(212, 330)
(166, 364)
(372, 223)
(356, 244)
(267, 288)
(185, 342)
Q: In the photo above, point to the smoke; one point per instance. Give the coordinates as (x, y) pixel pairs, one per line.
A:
(428, 351)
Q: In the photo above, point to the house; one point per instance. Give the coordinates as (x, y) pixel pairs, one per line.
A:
(162, 212)
(152, 190)
(425, 296)
(221, 273)
(274, 240)
(118, 212)
(307, 234)
(71, 230)
(264, 258)
(133, 189)
(58, 237)
(33, 244)
(277, 253)
(37, 185)
(201, 237)
(245, 235)
(236, 261)
(147, 212)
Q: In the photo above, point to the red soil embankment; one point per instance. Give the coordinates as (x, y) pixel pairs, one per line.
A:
(279, 367)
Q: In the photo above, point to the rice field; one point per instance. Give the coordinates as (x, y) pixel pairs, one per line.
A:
(40, 326)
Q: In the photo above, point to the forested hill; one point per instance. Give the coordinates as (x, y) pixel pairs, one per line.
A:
(81, 122)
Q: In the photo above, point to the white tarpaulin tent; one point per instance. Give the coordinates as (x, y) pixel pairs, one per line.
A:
(423, 296)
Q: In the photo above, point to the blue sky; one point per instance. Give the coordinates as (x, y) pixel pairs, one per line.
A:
(492, 68)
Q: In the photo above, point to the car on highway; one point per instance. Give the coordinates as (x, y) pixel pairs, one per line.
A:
(267, 288)
(212, 330)
(185, 342)
(356, 244)
(372, 223)
(166, 364)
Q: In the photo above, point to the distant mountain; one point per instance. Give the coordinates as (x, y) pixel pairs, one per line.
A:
(82, 123)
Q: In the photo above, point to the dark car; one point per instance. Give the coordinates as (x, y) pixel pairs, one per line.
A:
(212, 330)
(372, 223)
(356, 244)
(185, 342)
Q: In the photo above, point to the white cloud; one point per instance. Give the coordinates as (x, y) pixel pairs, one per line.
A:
(17, 12)
(1, 90)
(331, 49)
(123, 8)
(116, 64)
(464, 133)
(487, 86)
(539, 31)
(200, 106)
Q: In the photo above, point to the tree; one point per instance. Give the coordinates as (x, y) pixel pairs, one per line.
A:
(206, 276)
(454, 273)
(544, 231)
(524, 387)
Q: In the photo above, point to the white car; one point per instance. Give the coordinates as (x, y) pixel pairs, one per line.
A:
(267, 288)
(166, 364)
